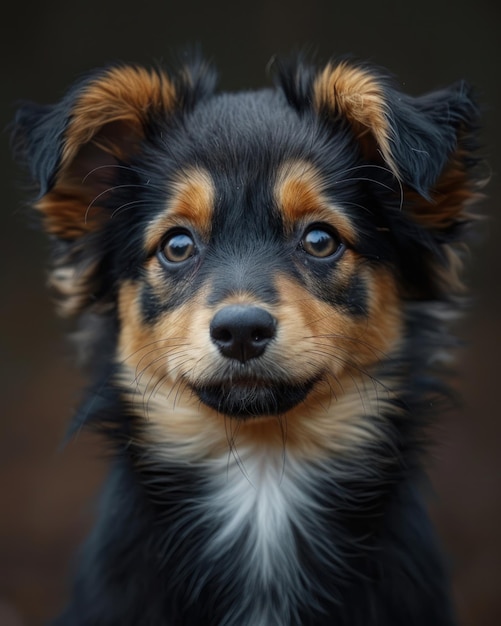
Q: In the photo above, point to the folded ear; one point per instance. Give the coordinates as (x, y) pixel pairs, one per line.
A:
(78, 149)
(424, 142)
(415, 137)
(72, 148)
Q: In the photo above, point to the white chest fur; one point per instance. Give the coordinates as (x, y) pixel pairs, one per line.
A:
(260, 499)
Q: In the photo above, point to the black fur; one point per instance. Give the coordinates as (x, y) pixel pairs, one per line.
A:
(366, 555)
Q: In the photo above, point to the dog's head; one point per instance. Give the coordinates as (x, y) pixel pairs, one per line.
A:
(254, 254)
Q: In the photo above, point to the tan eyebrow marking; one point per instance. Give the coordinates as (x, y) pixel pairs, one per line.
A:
(299, 193)
(191, 204)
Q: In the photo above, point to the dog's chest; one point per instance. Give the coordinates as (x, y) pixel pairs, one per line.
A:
(256, 499)
(260, 501)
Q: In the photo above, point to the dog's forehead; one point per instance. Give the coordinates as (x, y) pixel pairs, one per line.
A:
(247, 154)
(245, 135)
(251, 116)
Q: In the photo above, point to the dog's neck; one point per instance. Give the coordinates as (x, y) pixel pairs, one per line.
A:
(258, 511)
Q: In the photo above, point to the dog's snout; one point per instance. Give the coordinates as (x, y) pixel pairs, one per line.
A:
(242, 332)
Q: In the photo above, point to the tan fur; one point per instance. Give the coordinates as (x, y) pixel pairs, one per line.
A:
(65, 212)
(339, 417)
(120, 101)
(300, 194)
(191, 204)
(451, 200)
(158, 363)
(356, 95)
(122, 94)
(71, 283)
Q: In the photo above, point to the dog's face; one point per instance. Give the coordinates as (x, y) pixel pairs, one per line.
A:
(255, 252)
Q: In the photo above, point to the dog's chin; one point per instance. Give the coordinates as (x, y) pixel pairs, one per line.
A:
(253, 400)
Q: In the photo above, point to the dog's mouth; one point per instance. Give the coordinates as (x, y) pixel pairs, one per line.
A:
(248, 399)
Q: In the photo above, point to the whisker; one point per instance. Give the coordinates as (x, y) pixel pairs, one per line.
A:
(333, 353)
(140, 373)
(165, 354)
(364, 167)
(128, 168)
(232, 441)
(108, 190)
(180, 385)
(146, 345)
(128, 205)
(282, 422)
(380, 354)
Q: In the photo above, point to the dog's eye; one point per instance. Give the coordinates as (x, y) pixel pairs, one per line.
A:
(178, 247)
(320, 242)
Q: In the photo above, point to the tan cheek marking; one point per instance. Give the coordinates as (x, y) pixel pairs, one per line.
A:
(337, 417)
(385, 326)
(301, 320)
(192, 204)
(152, 359)
(356, 95)
(299, 194)
(150, 347)
(189, 328)
(323, 337)
(134, 335)
(156, 277)
(340, 415)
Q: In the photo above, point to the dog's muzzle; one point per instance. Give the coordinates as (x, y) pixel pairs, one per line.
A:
(242, 335)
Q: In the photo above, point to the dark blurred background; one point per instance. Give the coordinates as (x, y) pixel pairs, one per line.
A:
(46, 492)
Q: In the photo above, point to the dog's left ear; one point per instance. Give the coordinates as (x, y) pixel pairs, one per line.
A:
(78, 151)
(72, 148)
(414, 136)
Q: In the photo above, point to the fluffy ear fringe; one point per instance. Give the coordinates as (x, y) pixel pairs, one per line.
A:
(415, 137)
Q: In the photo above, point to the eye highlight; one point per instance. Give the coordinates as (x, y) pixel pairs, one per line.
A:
(320, 242)
(178, 246)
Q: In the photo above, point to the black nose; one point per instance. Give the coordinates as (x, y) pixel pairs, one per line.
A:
(242, 332)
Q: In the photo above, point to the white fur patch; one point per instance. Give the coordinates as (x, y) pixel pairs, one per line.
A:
(258, 496)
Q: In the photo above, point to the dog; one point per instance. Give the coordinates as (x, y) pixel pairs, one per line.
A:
(262, 284)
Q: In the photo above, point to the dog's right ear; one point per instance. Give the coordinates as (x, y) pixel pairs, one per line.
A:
(72, 148)
(75, 151)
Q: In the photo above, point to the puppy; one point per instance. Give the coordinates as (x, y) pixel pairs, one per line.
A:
(262, 282)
